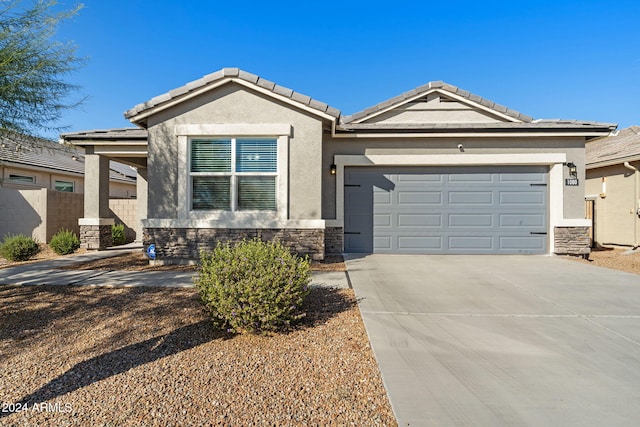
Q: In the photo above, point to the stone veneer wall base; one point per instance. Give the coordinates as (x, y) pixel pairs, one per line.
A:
(179, 245)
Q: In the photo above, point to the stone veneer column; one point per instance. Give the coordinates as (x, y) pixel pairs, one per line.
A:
(95, 227)
(572, 241)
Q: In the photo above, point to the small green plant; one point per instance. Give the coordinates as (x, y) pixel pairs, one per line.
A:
(64, 242)
(118, 235)
(18, 247)
(253, 286)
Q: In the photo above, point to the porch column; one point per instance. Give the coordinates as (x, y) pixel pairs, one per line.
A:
(95, 227)
(142, 191)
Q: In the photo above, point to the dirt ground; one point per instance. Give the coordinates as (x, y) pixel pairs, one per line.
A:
(616, 258)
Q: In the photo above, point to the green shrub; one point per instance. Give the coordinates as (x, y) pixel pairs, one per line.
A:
(18, 247)
(118, 235)
(254, 286)
(64, 242)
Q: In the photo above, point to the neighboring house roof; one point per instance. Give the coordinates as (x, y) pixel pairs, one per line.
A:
(622, 147)
(107, 134)
(214, 80)
(44, 154)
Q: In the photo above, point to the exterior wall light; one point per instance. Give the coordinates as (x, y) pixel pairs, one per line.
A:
(573, 169)
(333, 169)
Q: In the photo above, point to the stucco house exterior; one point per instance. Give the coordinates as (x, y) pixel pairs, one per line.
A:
(613, 183)
(436, 170)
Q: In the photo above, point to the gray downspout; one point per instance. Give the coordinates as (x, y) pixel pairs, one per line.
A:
(636, 201)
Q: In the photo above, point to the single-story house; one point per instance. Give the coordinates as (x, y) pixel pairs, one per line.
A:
(436, 170)
(613, 186)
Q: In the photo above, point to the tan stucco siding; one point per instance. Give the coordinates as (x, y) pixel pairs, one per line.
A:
(573, 197)
(234, 104)
(615, 204)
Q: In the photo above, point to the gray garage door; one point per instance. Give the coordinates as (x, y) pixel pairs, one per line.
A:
(458, 210)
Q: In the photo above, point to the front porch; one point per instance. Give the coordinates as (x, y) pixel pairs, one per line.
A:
(127, 146)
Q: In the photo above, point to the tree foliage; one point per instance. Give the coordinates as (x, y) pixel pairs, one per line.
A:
(34, 66)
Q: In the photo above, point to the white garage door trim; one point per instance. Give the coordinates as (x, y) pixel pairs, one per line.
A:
(555, 162)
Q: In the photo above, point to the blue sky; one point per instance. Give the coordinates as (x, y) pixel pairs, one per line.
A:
(548, 59)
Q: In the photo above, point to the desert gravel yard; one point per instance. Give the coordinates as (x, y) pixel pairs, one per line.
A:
(616, 258)
(150, 357)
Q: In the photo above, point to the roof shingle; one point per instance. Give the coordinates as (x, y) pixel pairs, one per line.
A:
(50, 155)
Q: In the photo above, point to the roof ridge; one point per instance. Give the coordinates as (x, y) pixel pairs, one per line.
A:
(232, 73)
(438, 85)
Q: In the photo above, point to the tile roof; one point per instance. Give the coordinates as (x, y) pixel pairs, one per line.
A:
(618, 148)
(50, 155)
(429, 87)
(231, 73)
(107, 134)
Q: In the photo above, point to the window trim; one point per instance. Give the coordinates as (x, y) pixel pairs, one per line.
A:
(280, 131)
(233, 175)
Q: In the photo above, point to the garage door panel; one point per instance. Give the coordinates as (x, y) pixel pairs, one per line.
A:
(522, 243)
(470, 178)
(356, 222)
(470, 197)
(382, 220)
(419, 197)
(382, 243)
(522, 198)
(381, 197)
(358, 243)
(471, 243)
(439, 210)
(419, 220)
(419, 243)
(470, 220)
(419, 178)
(522, 220)
(357, 200)
(518, 178)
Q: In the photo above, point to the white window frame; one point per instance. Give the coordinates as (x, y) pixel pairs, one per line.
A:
(233, 175)
(185, 133)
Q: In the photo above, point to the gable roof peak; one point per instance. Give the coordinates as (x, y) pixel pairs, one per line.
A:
(441, 86)
(228, 74)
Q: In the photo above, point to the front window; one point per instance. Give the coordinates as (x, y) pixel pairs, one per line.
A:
(233, 174)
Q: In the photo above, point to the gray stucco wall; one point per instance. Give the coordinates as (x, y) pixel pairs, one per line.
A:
(234, 104)
(573, 147)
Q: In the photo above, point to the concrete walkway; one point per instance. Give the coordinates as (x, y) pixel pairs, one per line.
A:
(49, 273)
(502, 340)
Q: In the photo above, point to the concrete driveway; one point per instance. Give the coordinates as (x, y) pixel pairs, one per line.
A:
(502, 340)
